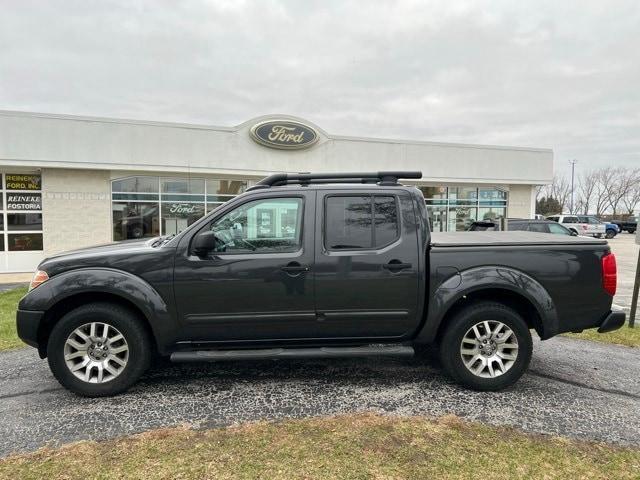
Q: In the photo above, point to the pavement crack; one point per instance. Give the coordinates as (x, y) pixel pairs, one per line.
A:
(612, 391)
(29, 392)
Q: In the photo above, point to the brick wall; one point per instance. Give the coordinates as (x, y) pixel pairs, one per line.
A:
(76, 209)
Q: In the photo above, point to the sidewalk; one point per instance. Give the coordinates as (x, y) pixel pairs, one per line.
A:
(14, 279)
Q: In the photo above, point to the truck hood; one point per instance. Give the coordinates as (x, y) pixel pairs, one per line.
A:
(101, 256)
(106, 247)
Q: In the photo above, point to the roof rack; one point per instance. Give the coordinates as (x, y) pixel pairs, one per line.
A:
(381, 178)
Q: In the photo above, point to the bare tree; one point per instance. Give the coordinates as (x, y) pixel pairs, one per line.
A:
(632, 199)
(587, 182)
(618, 187)
(560, 189)
(605, 178)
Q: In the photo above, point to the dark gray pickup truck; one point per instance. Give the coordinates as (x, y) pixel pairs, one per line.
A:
(325, 265)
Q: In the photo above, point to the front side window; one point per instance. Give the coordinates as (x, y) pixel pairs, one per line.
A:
(570, 220)
(270, 225)
(360, 222)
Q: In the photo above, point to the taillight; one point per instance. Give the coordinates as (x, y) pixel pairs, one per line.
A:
(609, 274)
(38, 279)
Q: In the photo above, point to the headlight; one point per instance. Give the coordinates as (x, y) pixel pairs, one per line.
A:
(38, 279)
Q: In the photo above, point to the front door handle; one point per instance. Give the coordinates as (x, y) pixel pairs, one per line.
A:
(396, 266)
(294, 267)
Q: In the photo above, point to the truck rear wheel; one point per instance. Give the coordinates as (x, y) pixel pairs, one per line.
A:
(99, 349)
(486, 346)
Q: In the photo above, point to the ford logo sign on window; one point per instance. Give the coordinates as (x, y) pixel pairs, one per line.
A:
(284, 134)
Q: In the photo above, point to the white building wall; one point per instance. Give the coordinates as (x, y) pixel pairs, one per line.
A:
(76, 209)
(519, 201)
(79, 142)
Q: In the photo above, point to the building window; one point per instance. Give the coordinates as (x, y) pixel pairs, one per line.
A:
(148, 206)
(20, 212)
(135, 220)
(455, 208)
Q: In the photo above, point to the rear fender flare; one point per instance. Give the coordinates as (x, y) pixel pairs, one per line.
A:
(485, 278)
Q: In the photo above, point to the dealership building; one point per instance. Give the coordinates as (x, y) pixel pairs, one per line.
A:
(69, 181)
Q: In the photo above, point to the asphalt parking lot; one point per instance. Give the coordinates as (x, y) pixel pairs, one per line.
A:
(576, 388)
(626, 250)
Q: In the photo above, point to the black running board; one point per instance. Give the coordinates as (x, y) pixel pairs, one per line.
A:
(321, 352)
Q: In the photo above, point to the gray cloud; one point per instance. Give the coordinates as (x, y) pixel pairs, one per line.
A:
(546, 74)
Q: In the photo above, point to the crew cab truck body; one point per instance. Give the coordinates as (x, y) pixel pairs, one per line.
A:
(309, 265)
(629, 225)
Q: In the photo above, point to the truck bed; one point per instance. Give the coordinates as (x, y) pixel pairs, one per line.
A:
(468, 239)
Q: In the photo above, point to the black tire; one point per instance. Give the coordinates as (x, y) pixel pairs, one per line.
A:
(137, 231)
(114, 315)
(610, 234)
(631, 231)
(461, 323)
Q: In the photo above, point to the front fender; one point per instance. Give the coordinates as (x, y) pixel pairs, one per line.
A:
(484, 278)
(105, 280)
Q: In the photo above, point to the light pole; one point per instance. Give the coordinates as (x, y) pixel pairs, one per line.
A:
(573, 170)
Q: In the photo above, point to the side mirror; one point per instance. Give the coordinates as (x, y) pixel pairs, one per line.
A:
(204, 243)
(574, 233)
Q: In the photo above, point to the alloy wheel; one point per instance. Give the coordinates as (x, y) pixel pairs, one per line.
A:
(489, 349)
(96, 352)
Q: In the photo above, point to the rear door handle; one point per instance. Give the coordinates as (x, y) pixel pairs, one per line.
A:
(396, 266)
(294, 267)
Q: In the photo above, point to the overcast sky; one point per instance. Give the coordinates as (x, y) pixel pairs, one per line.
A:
(562, 75)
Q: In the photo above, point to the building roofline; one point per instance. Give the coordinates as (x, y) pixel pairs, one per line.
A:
(347, 138)
(37, 164)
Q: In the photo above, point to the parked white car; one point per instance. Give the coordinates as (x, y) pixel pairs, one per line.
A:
(581, 224)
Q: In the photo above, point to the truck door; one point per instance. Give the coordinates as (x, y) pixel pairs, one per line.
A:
(366, 264)
(257, 284)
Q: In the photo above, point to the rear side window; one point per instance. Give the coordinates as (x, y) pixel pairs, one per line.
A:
(385, 214)
(538, 227)
(570, 220)
(517, 226)
(360, 222)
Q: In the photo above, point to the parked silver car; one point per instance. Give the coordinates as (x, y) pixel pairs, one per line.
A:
(581, 224)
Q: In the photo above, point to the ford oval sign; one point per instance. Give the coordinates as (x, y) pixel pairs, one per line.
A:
(285, 134)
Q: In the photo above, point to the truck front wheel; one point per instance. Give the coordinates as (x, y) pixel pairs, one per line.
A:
(486, 346)
(99, 349)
